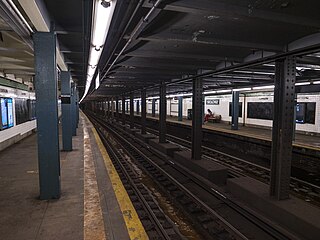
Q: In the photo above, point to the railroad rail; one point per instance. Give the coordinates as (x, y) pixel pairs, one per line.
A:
(204, 204)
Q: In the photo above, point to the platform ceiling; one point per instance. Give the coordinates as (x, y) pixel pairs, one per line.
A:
(177, 38)
(181, 37)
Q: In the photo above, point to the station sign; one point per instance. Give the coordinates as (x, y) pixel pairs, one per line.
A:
(213, 101)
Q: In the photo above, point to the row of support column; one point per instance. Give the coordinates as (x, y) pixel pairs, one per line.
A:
(282, 132)
(47, 113)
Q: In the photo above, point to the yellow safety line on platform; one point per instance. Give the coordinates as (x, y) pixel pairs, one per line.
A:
(135, 228)
(93, 220)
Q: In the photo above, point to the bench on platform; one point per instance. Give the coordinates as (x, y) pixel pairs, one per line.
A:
(215, 119)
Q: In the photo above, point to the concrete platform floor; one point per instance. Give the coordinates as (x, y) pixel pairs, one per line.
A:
(23, 215)
(88, 208)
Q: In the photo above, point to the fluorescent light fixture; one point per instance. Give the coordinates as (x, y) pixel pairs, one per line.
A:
(210, 92)
(97, 80)
(302, 83)
(241, 89)
(316, 82)
(100, 26)
(94, 57)
(303, 68)
(224, 91)
(263, 87)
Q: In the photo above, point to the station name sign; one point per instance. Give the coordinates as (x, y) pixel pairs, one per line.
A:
(213, 101)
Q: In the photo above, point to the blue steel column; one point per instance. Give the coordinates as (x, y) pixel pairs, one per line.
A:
(153, 108)
(235, 110)
(117, 108)
(109, 109)
(66, 111)
(127, 107)
(73, 110)
(197, 118)
(282, 129)
(123, 110)
(138, 106)
(143, 111)
(131, 111)
(47, 114)
(180, 107)
(162, 114)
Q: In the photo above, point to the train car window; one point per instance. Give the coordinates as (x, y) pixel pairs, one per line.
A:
(6, 113)
(260, 110)
(310, 113)
(22, 111)
(240, 109)
(31, 109)
(10, 111)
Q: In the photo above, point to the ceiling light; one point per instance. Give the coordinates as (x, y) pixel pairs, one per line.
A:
(241, 89)
(263, 87)
(102, 16)
(316, 82)
(224, 91)
(302, 83)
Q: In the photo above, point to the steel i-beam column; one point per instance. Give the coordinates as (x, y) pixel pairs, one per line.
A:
(197, 118)
(47, 114)
(180, 107)
(109, 108)
(138, 106)
(127, 106)
(143, 111)
(235, 111)
(131, 111)
(282, 130)
(162, 114)
(123, 110)
(112, 108)
(117, 108)
(153, 108)
(66, 111)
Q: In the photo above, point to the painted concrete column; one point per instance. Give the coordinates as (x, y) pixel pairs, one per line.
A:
(66, 111)
(47, 114)
(77, 106)
(73, 109)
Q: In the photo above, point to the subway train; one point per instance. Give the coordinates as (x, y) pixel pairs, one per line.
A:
(255, 109)
(17, 118)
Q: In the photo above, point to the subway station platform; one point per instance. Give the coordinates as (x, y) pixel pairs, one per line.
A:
(311, 141)
(93, 204)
